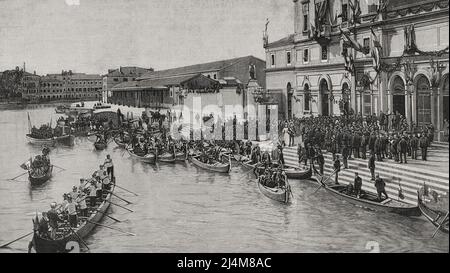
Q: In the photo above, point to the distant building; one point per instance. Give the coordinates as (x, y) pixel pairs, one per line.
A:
(30, 85)
(392, 56)
(76, 86)
(120, 75)
(217, 83)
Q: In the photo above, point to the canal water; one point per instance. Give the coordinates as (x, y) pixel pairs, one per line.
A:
(184, 209)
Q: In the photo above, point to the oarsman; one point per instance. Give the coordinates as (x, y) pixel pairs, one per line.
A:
(337, 169)
(371, 165)
(299, 153)
(43, 226)
(81, 201)
(357, 185)
(423, 144)
(109, 166)
(74, 193)
(414, 145)
(53, 219)
(380, 186)
(72, 212)
(93, 193)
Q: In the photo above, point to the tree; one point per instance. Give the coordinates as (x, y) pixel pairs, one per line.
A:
(10, 83)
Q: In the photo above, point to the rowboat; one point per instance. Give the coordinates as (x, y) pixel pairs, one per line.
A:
(148, 158)
(298, 173)
(120, 142)
(100, 145)
(40, 179)
(180, 156)
(44, 141)
(277, 194)
(66, 140)
(370, 200)
(167, 158)
(437, 217)
(64, 242)
(215, 167)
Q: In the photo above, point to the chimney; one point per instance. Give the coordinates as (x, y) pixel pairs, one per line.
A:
(24, 67)
(34, 72)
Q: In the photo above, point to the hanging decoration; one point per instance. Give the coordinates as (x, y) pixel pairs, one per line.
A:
(321, 30)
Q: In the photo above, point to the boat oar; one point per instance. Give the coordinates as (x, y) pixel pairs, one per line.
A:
(98, 224)
(442, 222)
(18, 176)
(59, 167)
(120, 206)
(123, 199)
(117, 220)
(15, 240)
(126, 190)
(78, 236)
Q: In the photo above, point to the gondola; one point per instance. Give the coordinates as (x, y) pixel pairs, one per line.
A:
(277, 194)
(61, 243)
(167, 158)
(369, 200)
(148, 158)
(100, 145)
(180, 156)
(215, 167)
(120, 142)
(40, 179)
(41, 141)
(298, 173)
(437, 217)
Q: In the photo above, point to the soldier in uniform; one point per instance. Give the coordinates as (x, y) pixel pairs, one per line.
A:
(356, 144)
(403, 149)
(414, 145)
(337, 169)
(423, 144)
(363, 145)
(371, 165)
(345, 154)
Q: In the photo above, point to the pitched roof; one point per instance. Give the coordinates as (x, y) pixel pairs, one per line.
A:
(289, 40)
(194, 69)
(127, 71)
(159, 83)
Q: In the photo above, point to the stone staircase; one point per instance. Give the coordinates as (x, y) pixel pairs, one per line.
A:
(410, 177)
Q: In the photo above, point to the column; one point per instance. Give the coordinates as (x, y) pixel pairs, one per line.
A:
(408, 109)
(414, 104)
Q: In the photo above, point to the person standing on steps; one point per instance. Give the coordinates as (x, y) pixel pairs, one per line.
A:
(371, 165)
(337, 169)
(423, 144)
(414, 145)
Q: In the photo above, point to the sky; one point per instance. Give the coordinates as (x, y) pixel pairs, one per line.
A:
(92, 36)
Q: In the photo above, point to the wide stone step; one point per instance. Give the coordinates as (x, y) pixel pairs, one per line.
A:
(391, 167)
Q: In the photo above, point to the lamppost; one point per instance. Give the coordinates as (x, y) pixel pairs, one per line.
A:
(408, 67)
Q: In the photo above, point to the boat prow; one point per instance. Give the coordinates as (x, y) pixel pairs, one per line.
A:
(40, 179)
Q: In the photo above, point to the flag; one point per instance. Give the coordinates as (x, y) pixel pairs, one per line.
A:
(26, 165)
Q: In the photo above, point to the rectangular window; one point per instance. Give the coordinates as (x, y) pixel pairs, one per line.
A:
(344, 11)
(366, 43)
(305, 55)
(272, 59)
(305, 10)
(288, 57)
(324, 53)
(367, 104)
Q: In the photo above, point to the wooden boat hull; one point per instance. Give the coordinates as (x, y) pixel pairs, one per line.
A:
(220, 168)
(100, 145)
(120, 143)
(180, 156)
(149, 158)
(42, 245)
(40, 142)
(389, 205)
(41, 179)
(431, 215)
(277, 194)
(67, 140)
(166, 158)
(298, 173)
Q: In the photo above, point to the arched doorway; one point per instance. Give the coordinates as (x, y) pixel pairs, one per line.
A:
(423, 101)
(398, 96)
(345, 99)
(289, 100)
(324, 93)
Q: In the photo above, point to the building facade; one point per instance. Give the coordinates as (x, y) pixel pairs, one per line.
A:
(215, 84)
(363, 57)
(120, 75)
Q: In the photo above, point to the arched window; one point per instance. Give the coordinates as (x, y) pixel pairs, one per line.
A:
(307, 97)
(423, 101)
